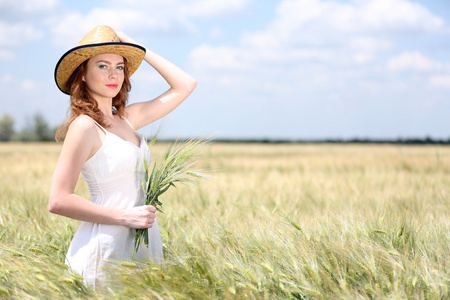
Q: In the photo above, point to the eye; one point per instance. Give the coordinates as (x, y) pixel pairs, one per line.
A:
(121, 68)
(102, 66)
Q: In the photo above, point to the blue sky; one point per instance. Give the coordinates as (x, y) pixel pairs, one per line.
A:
(295, 69)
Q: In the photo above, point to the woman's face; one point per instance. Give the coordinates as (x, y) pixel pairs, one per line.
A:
(104, 75)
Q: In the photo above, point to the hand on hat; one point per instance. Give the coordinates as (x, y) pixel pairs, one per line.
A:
(125, 38)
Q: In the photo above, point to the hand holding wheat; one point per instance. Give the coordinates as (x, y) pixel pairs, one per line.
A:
(139, 216)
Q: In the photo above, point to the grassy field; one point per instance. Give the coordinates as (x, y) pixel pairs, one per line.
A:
(275, 222)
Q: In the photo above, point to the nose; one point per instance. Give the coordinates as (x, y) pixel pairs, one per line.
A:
(113, 73)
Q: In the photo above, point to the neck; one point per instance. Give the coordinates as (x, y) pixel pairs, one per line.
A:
(105, 106)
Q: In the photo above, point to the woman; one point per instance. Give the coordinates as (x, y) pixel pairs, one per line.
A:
(101, 141)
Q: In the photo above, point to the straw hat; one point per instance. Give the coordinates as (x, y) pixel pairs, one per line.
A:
(100, 40)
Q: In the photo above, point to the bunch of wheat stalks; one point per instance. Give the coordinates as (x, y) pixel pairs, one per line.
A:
(176, 166)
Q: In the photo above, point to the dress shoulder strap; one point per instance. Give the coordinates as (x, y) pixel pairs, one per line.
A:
(126, 120)
(96, 123)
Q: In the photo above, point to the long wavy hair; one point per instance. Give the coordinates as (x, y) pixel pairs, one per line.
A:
(82, 102)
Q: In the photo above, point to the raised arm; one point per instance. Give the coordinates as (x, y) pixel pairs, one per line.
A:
(82, 141)
(181, 86)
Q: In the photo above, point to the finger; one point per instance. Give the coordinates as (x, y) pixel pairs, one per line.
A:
(151, 208)
(150, 223)
(122, 36)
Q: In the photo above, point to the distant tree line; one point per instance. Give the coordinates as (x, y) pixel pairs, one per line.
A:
(36, 129)
(405, 141)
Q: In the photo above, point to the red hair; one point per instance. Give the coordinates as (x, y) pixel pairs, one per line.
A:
(82, 102)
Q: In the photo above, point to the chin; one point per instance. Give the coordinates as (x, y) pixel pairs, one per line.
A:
(111, 94)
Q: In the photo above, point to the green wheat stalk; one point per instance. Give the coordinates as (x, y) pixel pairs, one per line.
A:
(175, 167)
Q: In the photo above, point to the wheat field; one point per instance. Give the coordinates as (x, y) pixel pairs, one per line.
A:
(273, 221)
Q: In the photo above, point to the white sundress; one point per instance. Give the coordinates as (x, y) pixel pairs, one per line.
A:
(114, 175)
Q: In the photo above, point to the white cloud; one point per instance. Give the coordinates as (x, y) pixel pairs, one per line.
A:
(440, 81)
(308, 38)
(367, 43)
(28, 85)
(17, 34)
(155, 17)
(198, 8)
(210, 8)
(152, 17)
(413, 61)
(27, 6)
(318, 22)
(69, 29)
(6, 54)
(16, 23)
(365, 48)
(359, 16)
(397, 15)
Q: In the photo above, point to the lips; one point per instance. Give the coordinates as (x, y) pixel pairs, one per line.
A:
(112, 86)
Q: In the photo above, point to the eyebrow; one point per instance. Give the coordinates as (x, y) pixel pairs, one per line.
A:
(108, 62)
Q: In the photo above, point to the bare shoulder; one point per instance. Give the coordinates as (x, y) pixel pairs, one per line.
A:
(83, 129)
(83, 138)
(83, 123)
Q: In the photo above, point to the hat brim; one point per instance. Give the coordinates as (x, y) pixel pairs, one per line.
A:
(72, 59)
